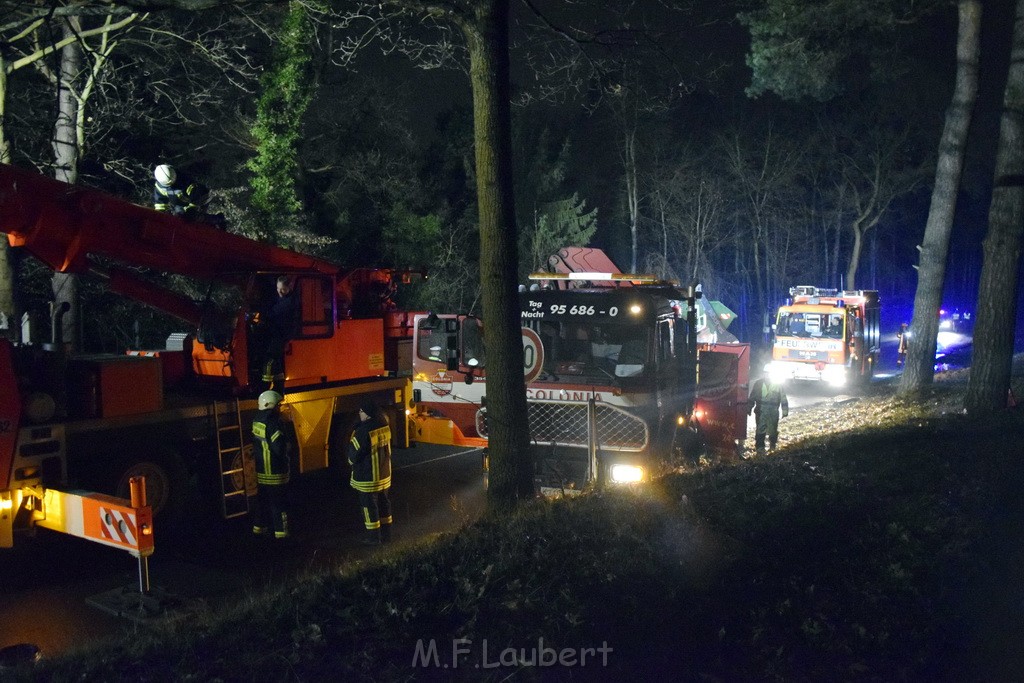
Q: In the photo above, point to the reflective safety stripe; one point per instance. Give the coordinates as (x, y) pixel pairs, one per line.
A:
(380, 439)
(373, 471)
(265, 473)
(118, 526)
(371, 486)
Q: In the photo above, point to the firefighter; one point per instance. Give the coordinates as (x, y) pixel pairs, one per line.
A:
(766, 398)
(168, 195)
(904, 338)
(369, 454)
(272, 445)
(181, 197)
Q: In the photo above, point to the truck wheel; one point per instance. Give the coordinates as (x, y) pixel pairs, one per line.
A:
(166, 481)
(864, 380)
(687, 448)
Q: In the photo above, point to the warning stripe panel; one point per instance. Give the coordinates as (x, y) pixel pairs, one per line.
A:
(106, 523)
(103, 519)
(117, 526)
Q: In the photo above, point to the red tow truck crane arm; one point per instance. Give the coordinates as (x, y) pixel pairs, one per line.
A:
(76, 229)
(62, 225)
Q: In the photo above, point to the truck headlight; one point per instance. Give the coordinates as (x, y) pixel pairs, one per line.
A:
(834, 375)
(776, 372)
(627, 474)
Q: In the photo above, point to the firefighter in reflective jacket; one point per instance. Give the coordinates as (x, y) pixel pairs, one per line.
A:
(272, 442)
(169, 196)
(766, 398)
(182, 197)
(369, 454)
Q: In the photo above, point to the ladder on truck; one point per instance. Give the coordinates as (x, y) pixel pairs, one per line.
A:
(237, 478)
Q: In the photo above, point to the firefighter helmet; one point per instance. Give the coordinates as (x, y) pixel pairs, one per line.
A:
(165, 175)
(268, 399)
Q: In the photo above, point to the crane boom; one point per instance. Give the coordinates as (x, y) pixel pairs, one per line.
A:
(63, 225)
(340, 334)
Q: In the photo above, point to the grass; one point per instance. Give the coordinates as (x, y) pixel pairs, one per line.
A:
(890, 549)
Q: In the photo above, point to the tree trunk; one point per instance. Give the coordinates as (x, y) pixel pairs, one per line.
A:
(511, 475)
(66, 157)
(997, 293)
(851, 269)
(8, 306)
(632, 192)
(919, 367)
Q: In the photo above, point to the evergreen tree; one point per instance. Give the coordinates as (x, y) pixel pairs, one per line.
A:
(287, 91)
(557, 224)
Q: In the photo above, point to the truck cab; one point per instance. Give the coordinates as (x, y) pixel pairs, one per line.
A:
(828, 336)
(611, 380)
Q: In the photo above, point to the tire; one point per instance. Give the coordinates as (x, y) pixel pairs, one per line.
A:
(166, 482)
(688, 447)
(864, 380)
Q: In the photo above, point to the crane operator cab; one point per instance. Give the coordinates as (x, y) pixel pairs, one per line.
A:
(275, 318)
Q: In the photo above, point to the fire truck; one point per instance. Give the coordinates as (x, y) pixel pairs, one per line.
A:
(620, 384)
(180, 416)
(827, 335)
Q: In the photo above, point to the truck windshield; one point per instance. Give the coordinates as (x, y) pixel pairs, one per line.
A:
(595, 352)
(810, 325)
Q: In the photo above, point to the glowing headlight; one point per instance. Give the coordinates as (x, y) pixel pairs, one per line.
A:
(627, 474)
(834, 375)
(776, 374)
(946, 325)
(635, 309)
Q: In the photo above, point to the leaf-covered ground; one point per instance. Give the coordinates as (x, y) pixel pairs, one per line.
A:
(890, 548)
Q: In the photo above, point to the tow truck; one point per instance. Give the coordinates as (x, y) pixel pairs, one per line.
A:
(180, 416)
(626, 375)
(827, 335)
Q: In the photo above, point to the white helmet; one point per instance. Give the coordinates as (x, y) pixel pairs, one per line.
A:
(165, 175)
(268, 399)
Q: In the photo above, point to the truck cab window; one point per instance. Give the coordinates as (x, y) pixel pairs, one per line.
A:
(316, 303)
(812, 324)
(834, 326)
(594, 352)
(432, 341)
(632, 358)
(791, 325)
(604, 349)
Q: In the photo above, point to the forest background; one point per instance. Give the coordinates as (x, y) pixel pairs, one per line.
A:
(637, 130)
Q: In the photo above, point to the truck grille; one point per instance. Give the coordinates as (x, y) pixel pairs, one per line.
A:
(562, 423)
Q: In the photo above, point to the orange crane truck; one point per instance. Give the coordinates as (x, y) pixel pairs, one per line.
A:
(181, 416)
(825, 335)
